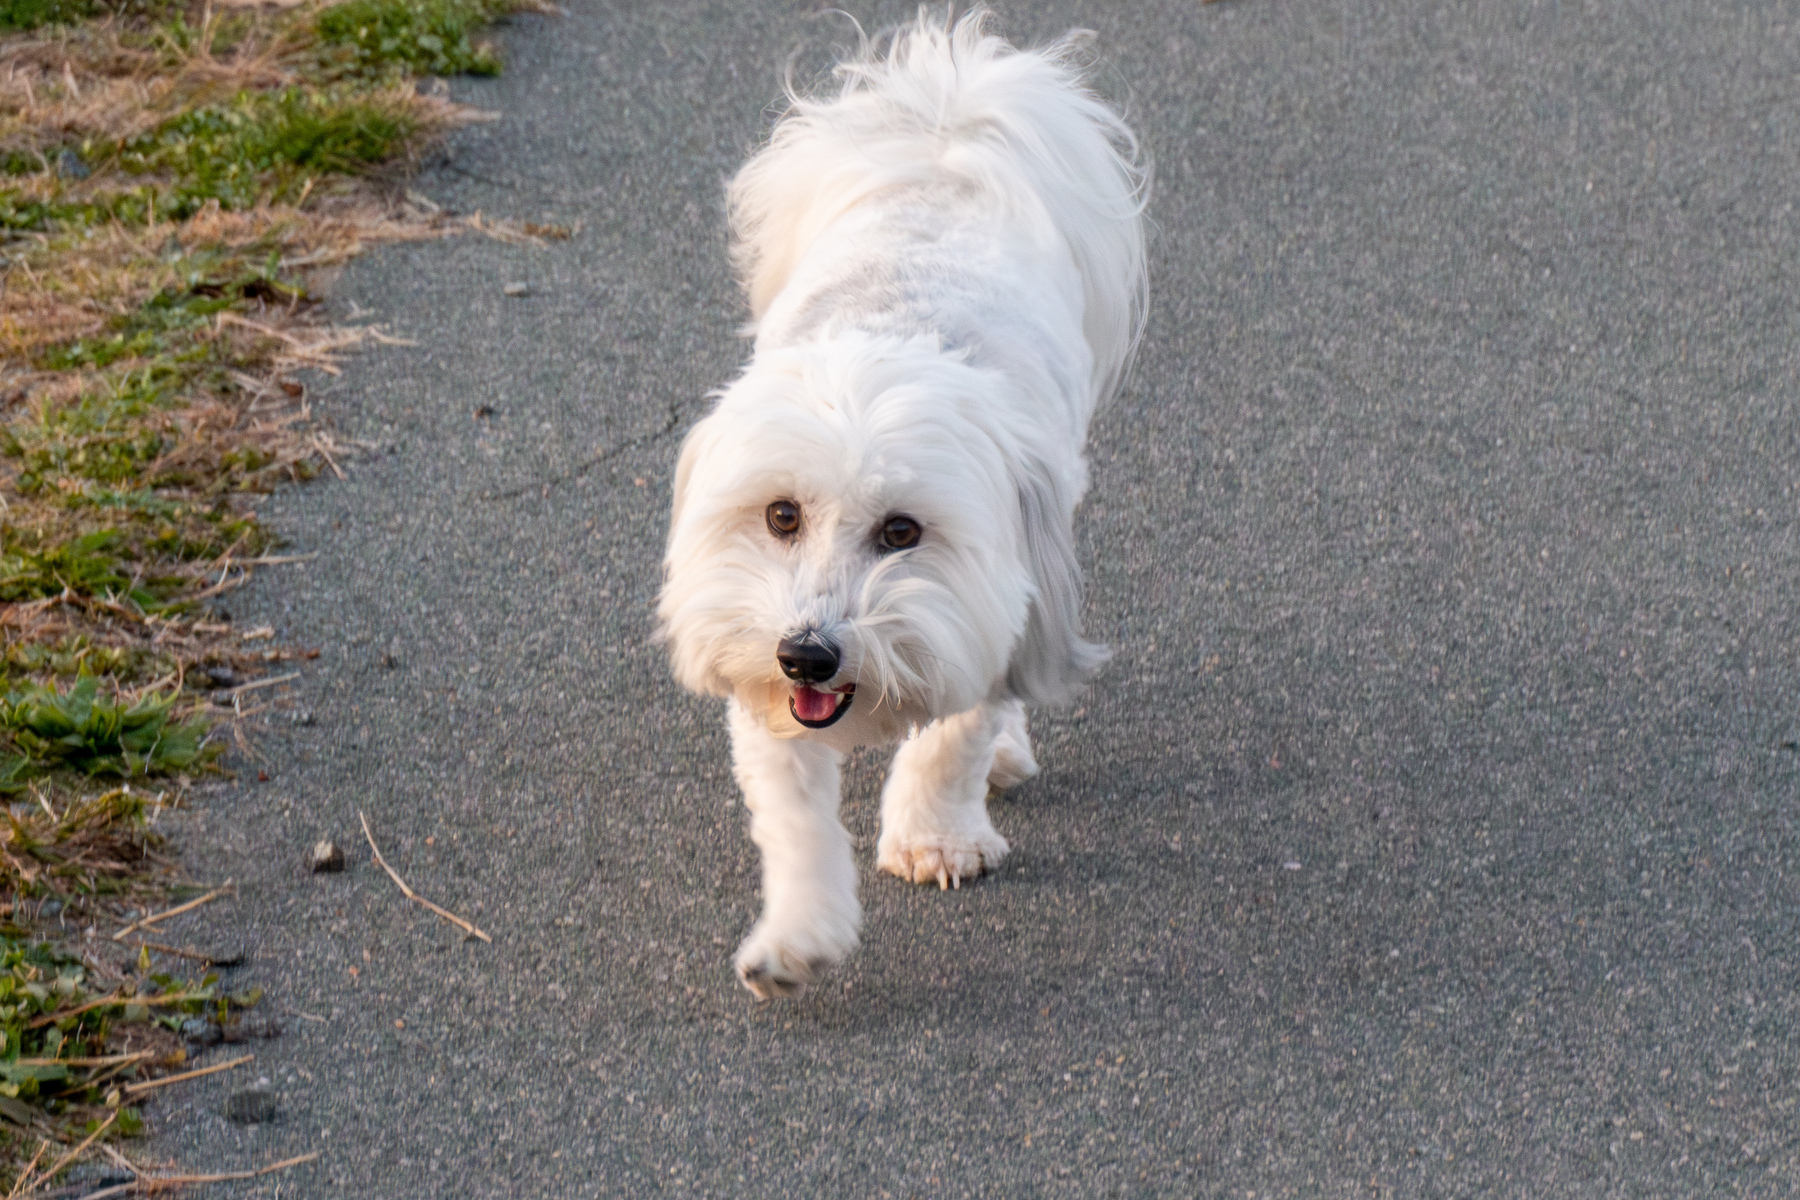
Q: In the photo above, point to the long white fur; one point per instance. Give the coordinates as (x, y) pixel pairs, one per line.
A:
(944, 260)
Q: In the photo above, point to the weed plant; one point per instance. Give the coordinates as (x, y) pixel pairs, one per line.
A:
(120, 737)
(62, 1075)
(421, 37)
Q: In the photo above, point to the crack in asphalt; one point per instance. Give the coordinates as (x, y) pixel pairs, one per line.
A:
(547, 188)
(544, 486)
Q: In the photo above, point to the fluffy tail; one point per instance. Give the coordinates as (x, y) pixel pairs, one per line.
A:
(946, 100)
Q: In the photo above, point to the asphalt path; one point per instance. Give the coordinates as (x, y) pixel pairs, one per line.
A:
(1432, 833)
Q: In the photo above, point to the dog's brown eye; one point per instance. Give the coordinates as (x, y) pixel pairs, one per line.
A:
(900, 533)
(784, 518)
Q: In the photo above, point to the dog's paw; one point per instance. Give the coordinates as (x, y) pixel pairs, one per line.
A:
(773, 974)
(775, 963)
(1013, 761)
(944, 859)
(1013, 765)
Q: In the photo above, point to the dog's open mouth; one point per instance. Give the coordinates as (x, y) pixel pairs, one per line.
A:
(817, 710)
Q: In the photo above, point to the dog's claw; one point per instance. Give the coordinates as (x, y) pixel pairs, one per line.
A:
(766, 987)
(946, 865)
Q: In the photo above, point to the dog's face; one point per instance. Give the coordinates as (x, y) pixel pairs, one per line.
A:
(847, 554)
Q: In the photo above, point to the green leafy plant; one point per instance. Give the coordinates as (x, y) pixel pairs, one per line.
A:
(428, 36)
(57, 1034)
(83, 731)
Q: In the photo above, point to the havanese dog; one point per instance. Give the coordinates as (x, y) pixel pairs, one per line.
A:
(871, 539)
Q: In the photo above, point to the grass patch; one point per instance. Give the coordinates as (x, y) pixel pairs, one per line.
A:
(95, 845)
(170, 176)
(22, 213)
(32, 14)
(268, 147)
(90, 565)
(82, 1021)
(425, 37)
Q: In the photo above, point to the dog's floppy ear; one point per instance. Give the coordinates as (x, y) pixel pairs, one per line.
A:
(1052, 660)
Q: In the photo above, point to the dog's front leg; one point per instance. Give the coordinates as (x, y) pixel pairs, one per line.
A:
(810, 915)
(934, 818)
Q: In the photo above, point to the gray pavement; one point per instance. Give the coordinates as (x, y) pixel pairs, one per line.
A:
(1433, 832)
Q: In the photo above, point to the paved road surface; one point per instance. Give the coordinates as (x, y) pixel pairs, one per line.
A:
(1433, 832)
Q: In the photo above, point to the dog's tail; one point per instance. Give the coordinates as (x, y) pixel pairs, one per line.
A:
(945, 99)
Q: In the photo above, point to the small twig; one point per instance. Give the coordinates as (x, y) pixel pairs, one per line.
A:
(153, 1181)
(258, 683)
(26, 1173)
(108, 1061)
(224, 585)
(115, 998)
(319, 445)
(276, 560)
(138, 1089)
(120, 1160)
(224, 560)
(66, 1159)
(100, 1077)
(409, 893)
(173, 912)
(231, 318)
(180, 953)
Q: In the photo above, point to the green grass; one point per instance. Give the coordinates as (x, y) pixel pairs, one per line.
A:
(431, 37)
(153, 329)
(32, 14)
(265, 146)
(125, 562)
(35, 980)
(90, 565)
(110, 435)
(91, 848)
(20, 213)
(24, 15)
(74, 654)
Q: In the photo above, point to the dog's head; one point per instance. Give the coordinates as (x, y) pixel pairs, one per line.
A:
(864, 540)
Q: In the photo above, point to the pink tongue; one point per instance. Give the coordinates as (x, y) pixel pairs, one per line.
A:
(813, 706)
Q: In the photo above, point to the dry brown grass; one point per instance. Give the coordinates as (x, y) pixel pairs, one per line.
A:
(158, 346)
(106, 80)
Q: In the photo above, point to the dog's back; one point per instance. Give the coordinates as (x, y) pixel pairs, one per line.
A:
(938, 106)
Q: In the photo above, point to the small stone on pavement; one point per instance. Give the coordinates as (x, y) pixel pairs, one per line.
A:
(252, 1106)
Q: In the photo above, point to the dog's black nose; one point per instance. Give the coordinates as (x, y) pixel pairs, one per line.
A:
(808, 658)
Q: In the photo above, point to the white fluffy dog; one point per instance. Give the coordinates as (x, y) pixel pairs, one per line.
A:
(871, 537)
